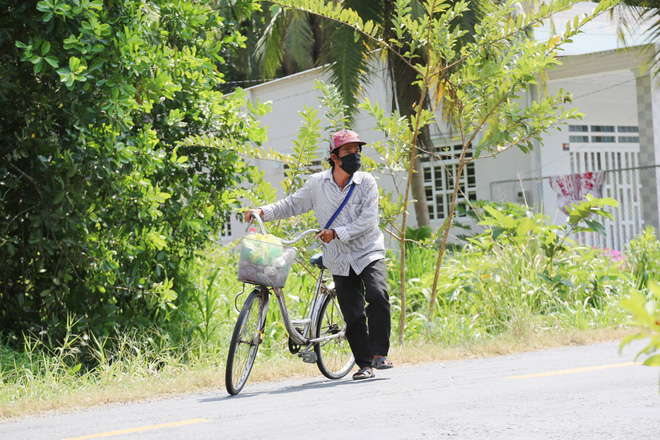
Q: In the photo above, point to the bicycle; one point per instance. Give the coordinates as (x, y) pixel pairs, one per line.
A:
(318, 338)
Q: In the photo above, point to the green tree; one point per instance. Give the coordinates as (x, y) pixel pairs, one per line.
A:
(481, 81)
(100, 212)
(276, 42)
(241, 67)
(295, 40)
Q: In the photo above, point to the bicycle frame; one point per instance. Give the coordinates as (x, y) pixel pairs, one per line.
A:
(320, 291)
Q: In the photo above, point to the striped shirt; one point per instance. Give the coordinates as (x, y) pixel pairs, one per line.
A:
(359, 238)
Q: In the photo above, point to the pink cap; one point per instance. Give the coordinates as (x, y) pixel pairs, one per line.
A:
(343, 137)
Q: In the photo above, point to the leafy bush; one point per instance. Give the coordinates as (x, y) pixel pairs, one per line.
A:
(100, 212)
(646, 318)
(643, 254)
(521, 277)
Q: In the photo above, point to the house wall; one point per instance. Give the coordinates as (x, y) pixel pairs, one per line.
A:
(605, 99)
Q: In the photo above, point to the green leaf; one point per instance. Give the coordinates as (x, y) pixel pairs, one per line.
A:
(653, 361)
(53, 61)
(595, 226)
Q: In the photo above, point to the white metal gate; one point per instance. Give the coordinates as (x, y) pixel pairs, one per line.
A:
(622, 184)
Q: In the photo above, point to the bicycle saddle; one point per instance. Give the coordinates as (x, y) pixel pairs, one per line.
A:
(317, 260)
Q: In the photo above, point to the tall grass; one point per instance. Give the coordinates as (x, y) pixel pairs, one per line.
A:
(492, 289)
(487, 290)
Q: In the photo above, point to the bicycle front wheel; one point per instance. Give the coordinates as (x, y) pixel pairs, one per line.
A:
(247, 336)
(334, 356)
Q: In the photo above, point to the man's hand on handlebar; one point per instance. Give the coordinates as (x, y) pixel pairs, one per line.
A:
(326, 235)
(248, 214)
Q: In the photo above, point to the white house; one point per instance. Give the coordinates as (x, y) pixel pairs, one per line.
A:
(620, 131)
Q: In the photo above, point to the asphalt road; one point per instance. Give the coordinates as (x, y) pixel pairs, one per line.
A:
(577, 392)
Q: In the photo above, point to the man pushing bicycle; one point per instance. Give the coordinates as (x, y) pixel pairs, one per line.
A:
(345, 201)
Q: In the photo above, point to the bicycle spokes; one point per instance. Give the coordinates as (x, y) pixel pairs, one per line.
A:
(254, 340)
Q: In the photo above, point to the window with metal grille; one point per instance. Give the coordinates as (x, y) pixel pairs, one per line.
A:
(602, 128)
(603, 139)
(226, 228)
(315, 167)
(578, 128)
(439, 178)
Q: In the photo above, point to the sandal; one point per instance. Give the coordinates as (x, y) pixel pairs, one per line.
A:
(364, 373)
(382, 363)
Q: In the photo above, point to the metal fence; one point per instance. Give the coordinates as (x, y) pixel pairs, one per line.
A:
(631, 187)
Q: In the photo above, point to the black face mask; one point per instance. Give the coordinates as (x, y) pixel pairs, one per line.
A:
(350, 163)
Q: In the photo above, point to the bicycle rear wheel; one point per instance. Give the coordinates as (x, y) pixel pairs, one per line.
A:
(247, 336)
(334, 357)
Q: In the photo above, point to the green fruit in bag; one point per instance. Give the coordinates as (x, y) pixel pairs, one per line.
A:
(261, 249)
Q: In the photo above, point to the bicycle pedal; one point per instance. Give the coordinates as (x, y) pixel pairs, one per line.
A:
(308, 357)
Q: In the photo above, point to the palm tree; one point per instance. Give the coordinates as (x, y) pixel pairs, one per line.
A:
(276, 43)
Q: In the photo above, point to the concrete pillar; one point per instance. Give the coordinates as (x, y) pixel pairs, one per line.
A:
(648, 114)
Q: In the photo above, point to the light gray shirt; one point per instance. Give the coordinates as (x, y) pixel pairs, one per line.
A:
(359, 238)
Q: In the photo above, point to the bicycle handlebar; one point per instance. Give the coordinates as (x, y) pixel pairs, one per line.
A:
(259, 221)
(295, 239)
(299, 237)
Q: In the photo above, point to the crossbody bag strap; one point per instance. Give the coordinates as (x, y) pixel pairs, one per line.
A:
(334, 216)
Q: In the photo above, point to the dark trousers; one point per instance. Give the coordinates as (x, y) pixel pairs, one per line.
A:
(367, 328)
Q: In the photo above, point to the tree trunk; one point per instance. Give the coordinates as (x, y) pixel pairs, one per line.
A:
(407, 97)
(419, 194)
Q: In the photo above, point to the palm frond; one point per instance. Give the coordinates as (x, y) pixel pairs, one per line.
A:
(417, 9)
(269, 50)
(350, 68)
(638, 13)
(368, 10)
(299, 40)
